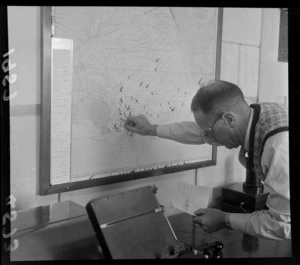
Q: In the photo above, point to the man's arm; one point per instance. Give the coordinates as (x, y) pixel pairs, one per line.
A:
(261, 224)
(275, 222)
(186, 132)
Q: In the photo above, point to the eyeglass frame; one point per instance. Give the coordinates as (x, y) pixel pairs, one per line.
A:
(209, 132)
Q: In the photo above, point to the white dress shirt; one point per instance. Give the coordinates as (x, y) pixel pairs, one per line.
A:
(273, 223)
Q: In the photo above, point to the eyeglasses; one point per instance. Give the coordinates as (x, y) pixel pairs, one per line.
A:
(209, 133)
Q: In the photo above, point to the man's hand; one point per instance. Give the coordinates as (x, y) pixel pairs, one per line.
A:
(140, 124)
(210, 220)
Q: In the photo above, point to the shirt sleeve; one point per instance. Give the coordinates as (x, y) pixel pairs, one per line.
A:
(274, 223)
(186, 132)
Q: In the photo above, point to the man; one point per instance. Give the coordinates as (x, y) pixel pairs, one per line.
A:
(223, 117)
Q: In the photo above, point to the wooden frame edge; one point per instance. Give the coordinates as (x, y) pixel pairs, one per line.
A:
(45, 117)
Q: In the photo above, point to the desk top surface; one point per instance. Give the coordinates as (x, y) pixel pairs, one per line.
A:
(47, 214)
(60, 231)
(63, 231)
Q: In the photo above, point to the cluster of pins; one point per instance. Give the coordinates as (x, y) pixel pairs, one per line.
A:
(125, 109)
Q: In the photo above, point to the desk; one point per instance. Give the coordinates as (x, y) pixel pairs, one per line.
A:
(62, 231)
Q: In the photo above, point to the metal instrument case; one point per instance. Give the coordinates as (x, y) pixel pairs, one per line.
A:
(133, 225)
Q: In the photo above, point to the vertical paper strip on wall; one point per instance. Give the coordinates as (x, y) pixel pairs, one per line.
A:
(230, 62)
(61, 103)
(249, 70)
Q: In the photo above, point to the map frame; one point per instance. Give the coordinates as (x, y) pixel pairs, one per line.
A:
(45, 185)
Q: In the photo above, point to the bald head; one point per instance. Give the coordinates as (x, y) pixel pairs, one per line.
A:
(217, 97)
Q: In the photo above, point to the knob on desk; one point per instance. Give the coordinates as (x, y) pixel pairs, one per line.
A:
(217, 249)
(207, 251)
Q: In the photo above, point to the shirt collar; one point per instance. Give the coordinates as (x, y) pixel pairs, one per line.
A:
(246, 141)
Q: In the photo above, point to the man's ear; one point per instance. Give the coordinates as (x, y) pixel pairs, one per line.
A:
(229, 119)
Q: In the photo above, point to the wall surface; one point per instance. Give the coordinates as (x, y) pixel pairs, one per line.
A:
(273, 81)
(24, 27)
(25, 38)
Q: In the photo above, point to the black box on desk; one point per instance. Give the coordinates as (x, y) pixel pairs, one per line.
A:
(235, 199)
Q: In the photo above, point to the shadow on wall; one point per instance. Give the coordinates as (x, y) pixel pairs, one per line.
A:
(228, 169)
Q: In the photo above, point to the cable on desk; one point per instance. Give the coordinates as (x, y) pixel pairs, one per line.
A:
(236, 208)
(242, 207)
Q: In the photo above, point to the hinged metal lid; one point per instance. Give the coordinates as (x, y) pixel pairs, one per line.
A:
(133, 225)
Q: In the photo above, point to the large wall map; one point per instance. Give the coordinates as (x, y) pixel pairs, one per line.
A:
(112, 62)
